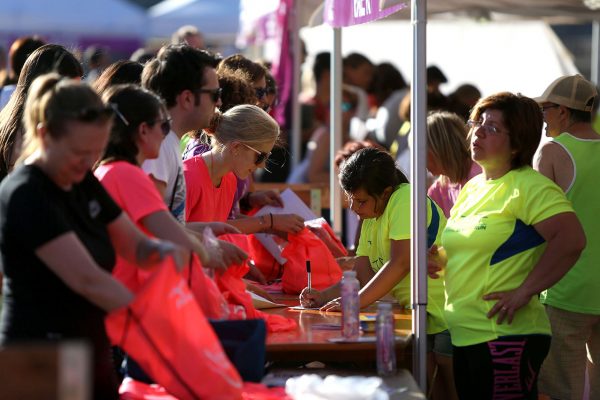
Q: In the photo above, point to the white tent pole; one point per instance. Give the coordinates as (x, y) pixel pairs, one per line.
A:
(418, 199)
(335, 204)
(295, 127)
(595, 71)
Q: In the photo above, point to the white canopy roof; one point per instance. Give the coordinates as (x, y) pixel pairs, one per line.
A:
(106, 18)
(518, 56)
(311, 12)
(218, 20)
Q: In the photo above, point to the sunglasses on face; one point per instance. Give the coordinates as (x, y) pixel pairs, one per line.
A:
(215, 94)
(260, 93)
(488, 129)
(165, 125)
(548, 107)
(347, 106)
(261, 156)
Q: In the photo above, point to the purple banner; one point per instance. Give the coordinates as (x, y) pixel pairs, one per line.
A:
(340, 13)
(283, 65)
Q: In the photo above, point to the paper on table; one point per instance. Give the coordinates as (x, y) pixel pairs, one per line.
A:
(304, 308)
(292, 204)
(260, 302)
(361, 339)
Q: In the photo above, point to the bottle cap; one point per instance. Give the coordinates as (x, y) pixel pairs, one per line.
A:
(349, 274)
(384, 306)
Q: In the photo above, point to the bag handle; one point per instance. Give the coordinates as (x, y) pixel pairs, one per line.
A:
(173, 192)
(190, 264)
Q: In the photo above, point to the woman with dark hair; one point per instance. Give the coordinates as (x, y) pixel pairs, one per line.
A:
(380, 195)
(140, 126)
(256, 72)
(60, 231)
(47, 58)
(120, 72)
(388, 89)
(19, 50)
(511, 234)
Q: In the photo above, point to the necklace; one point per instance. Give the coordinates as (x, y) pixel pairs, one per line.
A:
(212, 172)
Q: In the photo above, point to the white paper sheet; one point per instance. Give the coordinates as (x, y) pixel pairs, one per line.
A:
(292, 204)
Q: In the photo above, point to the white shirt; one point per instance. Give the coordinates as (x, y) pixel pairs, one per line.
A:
(168, 168)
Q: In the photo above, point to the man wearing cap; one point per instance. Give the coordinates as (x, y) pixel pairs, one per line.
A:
(572, 160)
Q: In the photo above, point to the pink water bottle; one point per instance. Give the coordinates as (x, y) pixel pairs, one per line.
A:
(350, 306)
(386, 350)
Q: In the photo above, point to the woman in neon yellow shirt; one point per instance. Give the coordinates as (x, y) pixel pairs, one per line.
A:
(511, 234)
(380, 195)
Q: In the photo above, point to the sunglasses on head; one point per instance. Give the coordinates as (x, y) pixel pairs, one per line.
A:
(215, 94)
(165, 125)
(91, 114)
(261, 156)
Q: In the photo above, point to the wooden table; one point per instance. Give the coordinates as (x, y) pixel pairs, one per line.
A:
(311, 341)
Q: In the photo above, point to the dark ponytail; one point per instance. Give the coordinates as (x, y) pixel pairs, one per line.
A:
(371, 169)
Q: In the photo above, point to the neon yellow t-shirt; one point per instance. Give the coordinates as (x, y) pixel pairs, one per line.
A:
(578, 290)
(492, 246)
(394, 224)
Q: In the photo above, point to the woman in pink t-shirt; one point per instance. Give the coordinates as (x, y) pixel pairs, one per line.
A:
(448, 156)
(140, 125)
(243, 139)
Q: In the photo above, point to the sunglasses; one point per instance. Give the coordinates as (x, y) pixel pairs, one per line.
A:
(261, 156)
(165, 125)
(215, 94)
(347, 106)
(260, 93)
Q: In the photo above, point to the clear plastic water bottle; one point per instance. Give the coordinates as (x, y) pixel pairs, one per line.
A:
(350, 306)
(386, 349)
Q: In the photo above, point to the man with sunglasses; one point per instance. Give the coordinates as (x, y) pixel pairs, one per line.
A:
(571, 160)
(186, 80)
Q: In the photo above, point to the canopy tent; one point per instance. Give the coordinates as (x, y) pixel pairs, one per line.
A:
(419, 12)
(115, 22)
(311, 11)
(218, 20)
(528, 56)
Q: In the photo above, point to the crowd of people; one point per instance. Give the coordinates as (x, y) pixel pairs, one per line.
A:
(134, 163)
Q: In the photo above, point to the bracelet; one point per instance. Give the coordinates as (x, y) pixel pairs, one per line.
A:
(271, 215)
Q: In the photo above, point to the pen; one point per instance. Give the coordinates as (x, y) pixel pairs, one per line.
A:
(308, 274)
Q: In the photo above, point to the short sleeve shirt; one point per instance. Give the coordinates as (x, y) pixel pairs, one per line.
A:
(492, 246)
(168, 168)
(394, 224)
(33, 212)
(135, 193)
(204, 201)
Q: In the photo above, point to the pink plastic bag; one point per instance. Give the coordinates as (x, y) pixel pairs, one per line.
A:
(205, 290)
(165, 331)
(304, 246)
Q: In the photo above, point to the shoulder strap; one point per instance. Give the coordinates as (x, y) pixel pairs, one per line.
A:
(174, 189)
